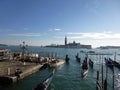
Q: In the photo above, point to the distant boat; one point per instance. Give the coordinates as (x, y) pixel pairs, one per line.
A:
(44, 85)
(92, 52)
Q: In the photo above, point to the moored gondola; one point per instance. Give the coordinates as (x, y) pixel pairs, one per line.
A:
(84, 71)
(116, 64)
(117, 82)
(77, 58)
(45, 83)
(109, 63)
(91, 63)
(67, 58)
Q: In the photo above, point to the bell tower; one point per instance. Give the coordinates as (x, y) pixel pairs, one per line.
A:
(65, 40)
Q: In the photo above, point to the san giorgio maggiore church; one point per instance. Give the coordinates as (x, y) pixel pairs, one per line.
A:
(70, 45)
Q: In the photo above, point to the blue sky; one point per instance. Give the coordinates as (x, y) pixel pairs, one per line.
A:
(44, 22)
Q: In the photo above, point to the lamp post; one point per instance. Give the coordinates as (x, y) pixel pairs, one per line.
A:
(23, 47)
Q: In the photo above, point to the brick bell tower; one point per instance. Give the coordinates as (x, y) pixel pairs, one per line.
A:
(65, 40)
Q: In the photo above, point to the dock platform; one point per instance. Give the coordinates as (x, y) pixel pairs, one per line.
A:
(8, 70)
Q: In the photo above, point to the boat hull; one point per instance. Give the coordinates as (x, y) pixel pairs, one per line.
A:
(84, 73)
(44, 85)
(57, 63)
(117, 82)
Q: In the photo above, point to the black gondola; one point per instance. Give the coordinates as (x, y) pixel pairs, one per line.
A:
(91, 63)
(67, 58)
(109, 63)
(84, 68)
(45, 83)
(77, 58)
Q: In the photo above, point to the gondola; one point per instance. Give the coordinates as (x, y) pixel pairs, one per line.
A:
(84, 71)
(117, 82)
(77, 58)
(91, 63)
(45, 83)
(116, 64)
(109, 63)
(67, 58)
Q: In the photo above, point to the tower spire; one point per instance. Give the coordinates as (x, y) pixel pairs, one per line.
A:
(65, 40)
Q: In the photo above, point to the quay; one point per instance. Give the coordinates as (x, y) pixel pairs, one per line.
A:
(8, 70)
(18, 65)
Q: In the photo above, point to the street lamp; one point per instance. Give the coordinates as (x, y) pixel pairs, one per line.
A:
(23, 47)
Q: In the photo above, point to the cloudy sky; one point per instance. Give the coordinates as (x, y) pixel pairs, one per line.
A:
(44, 22)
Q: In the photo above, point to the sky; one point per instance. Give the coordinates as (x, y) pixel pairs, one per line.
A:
(45, 22)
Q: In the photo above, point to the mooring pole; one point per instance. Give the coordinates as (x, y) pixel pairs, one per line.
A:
(97, 80)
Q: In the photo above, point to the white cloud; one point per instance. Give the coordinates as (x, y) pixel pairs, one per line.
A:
(104, 35)
(27, 34)
(55, 30)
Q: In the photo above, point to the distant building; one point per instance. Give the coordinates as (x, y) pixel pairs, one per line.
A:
(109, 47)
(70, 45)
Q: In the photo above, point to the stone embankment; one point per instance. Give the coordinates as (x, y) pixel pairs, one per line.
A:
(12, 71)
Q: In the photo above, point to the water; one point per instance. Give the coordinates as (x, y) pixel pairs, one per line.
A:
(67, 76)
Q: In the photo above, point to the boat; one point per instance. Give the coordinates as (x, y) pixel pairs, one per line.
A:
(67, 58)
(109, 63)
(91, 63)
(84, 71)
(45, 83)
(77, 58)
(116, 64)
(117, 82)
(91, 52)
(56, 63)
(112, 63)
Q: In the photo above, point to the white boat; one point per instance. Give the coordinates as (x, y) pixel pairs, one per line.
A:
(117, 82)
(56, 63)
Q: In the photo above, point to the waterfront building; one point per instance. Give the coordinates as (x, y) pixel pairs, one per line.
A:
(70, 45)
(4, 54)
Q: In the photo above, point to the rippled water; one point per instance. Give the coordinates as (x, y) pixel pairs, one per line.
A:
(67, 76)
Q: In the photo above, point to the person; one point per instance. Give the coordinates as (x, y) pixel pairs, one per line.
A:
(18, 72)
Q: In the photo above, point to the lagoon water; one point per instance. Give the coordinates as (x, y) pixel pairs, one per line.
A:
(67, 76)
